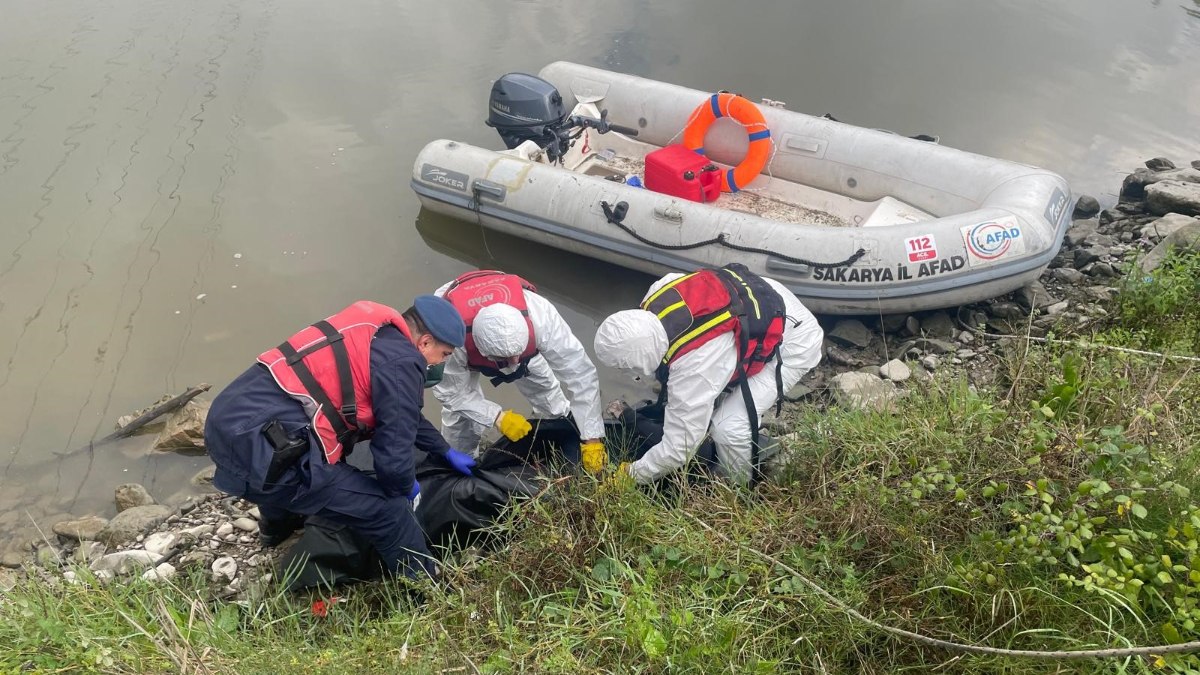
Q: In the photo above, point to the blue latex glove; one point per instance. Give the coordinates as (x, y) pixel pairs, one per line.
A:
(416, 491)
(461, 461)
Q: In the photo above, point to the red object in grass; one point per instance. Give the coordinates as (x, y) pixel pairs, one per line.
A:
(321, 607)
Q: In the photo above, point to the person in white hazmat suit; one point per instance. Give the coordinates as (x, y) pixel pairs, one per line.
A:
(515, 335)
(700, 335)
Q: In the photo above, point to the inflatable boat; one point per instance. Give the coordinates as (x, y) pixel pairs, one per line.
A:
(661, 178)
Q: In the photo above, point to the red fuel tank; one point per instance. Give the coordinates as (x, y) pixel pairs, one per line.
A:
(680, 172)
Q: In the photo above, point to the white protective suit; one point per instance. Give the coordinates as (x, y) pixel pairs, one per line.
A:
(635, 340)
(561, 359)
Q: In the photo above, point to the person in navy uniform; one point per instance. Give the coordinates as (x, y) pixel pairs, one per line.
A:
(279, 434)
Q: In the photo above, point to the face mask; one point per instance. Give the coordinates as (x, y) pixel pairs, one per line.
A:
(433, 375)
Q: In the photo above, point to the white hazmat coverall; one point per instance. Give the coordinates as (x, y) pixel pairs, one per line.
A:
(467, 413)
(697, 380)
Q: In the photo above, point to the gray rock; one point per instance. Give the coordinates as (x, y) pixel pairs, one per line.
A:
(49, 556)
(161, 542)
(912, 326)
(930, 362)
(1080, 230)
(1160, 164)
(1057, 308)
(128, 524)
(1084, 257)
(1134, 185)
(966, 337)
(246, 524)
(1196, 163)
(895, 370)
(1172, 196)
(89, 551)
(861, 390)
(1166, 225)
(934, 346)
(80, 529)
(8, 581)
(1101, 293)
(125, 562)
(224, 567)
(1086, 207)
(184, 431)
(130, 495)
(13, 559)
(1102, 270)
(840, 356)
(851, 333)
(796, 393)
(1068, 275)
(1008, 310)
(890, 323)
(1034, 295)
(1185, 239)
(204, 477)
(224, 529)
(938, 325)
(162, 572)
(974, 318)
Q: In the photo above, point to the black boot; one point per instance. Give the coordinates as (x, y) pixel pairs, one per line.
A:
(272, 533)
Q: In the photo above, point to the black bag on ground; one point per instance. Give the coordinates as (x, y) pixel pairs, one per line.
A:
(454, 509)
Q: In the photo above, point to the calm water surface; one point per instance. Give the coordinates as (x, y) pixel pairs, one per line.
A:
(184, 184)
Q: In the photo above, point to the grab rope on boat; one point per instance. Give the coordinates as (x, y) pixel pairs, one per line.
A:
(616, 216)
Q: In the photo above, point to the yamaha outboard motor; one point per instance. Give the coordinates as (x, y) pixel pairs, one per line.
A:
(523, 107)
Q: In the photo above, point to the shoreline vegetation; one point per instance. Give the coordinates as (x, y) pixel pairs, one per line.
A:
(1039, 491)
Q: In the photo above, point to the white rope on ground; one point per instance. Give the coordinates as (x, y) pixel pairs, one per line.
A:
(1083, 344)
(1182, 647)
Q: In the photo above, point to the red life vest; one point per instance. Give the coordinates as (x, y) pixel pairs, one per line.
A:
(327, 368)
(701, 306)
(471, 292)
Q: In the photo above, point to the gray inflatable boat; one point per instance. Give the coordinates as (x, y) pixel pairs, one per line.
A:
(853, 220)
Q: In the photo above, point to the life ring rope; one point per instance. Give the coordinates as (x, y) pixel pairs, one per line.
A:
(761, 150)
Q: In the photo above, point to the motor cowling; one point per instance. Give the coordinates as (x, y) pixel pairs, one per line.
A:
(523, 107)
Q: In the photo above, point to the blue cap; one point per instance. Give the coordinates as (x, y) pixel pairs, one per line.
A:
(442, 320)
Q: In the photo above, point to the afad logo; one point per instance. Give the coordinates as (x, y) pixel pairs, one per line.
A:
(992, 240)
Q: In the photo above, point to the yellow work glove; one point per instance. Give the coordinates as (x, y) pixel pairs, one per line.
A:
(595, 457)
(513, 426)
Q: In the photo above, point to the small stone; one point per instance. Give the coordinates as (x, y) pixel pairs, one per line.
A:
(161, 542)
(255, 514)
(930, 362)
(1086, 207)
(1084, 257)
(224, 567)
(124, 562)
(1160, 164)
(130, 495)
(1068, 275)
(966, 337)
(12, 560)
(895, 370)
(1103, 269)
(162, 572)
(224, 529)
(89, 551)
(850, 333)
(1008, 310)
(1057, 308)
(8, 581)
(937, 325)
(246, 524)
(80, 529)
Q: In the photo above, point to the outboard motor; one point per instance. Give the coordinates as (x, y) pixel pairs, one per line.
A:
(523, 107)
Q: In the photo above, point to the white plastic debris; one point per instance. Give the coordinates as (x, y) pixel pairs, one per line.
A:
(202, 296)
(237, 256)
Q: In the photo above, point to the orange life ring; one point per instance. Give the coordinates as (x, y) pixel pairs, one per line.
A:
(744, 111)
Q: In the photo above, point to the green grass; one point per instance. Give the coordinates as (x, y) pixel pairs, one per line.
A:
(1053, 510)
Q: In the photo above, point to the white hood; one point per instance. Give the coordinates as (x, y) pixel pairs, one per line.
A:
(500, 331)
(633, 339)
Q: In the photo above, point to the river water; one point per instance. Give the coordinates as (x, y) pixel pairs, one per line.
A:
(184, 184)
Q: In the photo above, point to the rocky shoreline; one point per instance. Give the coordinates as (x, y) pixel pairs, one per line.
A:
(866, 363)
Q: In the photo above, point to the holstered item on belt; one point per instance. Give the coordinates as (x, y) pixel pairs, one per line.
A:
(288, 450)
